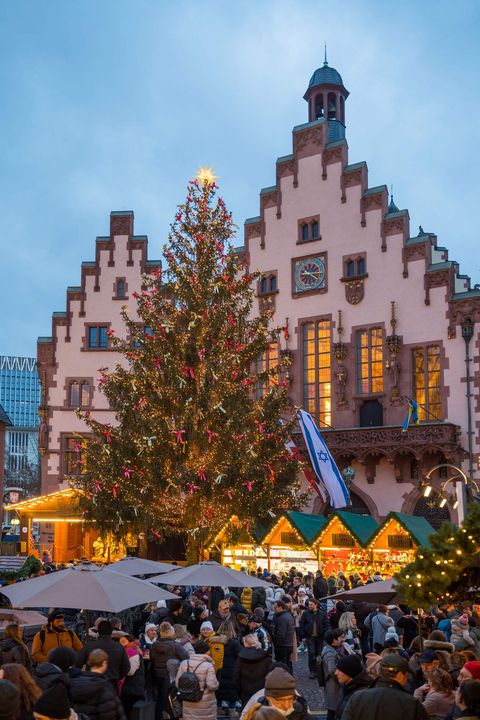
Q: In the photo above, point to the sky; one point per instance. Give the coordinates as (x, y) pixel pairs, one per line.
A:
(114, 104)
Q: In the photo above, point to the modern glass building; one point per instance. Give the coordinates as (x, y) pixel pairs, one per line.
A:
(20, 392)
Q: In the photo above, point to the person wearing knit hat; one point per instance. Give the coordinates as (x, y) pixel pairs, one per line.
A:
(164, 649)
(470, 671)
(54, 704)
(352, 677)
(146, 641)
(199, 615)
(9, 700)
(167, 631)
(206, 630)
(280, 694)
(460, 636)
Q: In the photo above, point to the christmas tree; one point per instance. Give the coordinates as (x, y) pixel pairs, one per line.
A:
(200, 427)
(450, 571)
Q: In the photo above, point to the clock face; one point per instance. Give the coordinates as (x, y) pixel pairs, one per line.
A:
(309, 274)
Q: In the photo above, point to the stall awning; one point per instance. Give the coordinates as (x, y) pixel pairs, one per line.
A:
(418, 528)
(235, 532)
(55, 507)
(304, 525)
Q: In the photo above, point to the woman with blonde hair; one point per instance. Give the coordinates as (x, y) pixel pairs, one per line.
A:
(436, 695)
(348, 625)
(29, 691)
(183, 638)
(263, 712)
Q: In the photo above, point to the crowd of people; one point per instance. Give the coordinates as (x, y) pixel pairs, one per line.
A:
(230, 651)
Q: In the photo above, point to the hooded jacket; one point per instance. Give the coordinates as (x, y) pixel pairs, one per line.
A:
(46, 674)
(11, 651)
(92, 694)
(118, 662)
(250, 671)
(163, 650)
(359, 682)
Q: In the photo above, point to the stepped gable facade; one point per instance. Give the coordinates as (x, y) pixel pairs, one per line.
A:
(69, 360)
(376, 314)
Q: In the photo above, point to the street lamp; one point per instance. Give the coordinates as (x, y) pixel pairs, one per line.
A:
(467, 334)
(461, 484)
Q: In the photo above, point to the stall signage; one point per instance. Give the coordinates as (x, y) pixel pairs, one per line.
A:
(342, 540)
(399, 541)
(289, 538)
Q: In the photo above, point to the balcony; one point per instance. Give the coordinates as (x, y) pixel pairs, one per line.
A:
(390, 442)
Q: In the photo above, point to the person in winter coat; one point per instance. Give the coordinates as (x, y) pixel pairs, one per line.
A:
(335, 616)
(348, 625)
(283, 633)
(388, 697)
(320, 586)
(183, 638)
(52, 635)
(246, 599)
(331, 654)
(59, 661)
(13, 649)
(255, 627)
(202, 665)
(252, 666)
(313, 626)
(164, 649)
(133, 685)
(199, 615)
(436, 695)
(378, 623)
(146, 641)
(118, 663)
(259, 598)
(461, 637)
(467, 698)
(409, 626)
(92, 693)
(221, 614)
(227, 695)
(29, 691)
(352, 677)
(280, 693)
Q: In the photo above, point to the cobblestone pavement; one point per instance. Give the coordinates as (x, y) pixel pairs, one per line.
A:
(310, 689)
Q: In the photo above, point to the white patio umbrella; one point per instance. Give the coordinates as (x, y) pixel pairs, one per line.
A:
(383, 591)
(211, 574)
(139, 566)
(85, 587)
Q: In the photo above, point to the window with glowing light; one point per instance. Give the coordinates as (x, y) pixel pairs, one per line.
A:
(73, 456)
(268, 363)
(427, 382)
(317, 370)
(370, 361)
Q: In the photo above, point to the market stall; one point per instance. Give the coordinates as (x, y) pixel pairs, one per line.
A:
(237, 546)
(289, 542)
(396, 541)
(342, 544)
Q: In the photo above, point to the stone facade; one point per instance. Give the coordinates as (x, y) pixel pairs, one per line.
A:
(69, 360)
(341, 253)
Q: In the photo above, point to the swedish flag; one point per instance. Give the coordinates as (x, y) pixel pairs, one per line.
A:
(411, 416)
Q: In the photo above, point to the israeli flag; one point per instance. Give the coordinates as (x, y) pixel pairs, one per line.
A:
(323, 463)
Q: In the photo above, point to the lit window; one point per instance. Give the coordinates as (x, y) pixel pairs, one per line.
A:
(268, 363)
(97, 336)
(370, 361)
(426, 382)
(317, 376)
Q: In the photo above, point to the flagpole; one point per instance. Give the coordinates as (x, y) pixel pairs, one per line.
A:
(431, 416)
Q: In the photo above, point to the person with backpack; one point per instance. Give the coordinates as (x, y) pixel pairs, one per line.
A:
(164, 649)
(196, 683)
(378, 623)
(53, 634)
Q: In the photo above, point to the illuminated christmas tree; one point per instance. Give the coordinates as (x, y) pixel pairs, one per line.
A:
(201, 427)
(450, 571)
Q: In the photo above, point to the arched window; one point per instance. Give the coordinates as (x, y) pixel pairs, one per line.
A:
(332, 107)
(350, 265)
(85, 394)
(431, 510)
(273, 283)
(120, 288)
(358, 505)
(74, 394)
(314, 229)
(318, 106)
(342, 109)
(361, 266)
(305, 235)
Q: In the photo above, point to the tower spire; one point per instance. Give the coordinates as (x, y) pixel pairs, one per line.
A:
(325, 61)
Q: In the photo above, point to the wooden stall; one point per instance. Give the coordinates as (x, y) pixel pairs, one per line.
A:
(237, 546)
(289, 542)
(342, 544)
(54, 523)
(397, 540)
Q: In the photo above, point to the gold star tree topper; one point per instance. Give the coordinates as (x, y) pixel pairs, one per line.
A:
(206, 175)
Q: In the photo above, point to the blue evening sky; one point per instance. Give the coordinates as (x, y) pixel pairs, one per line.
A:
(114, 104)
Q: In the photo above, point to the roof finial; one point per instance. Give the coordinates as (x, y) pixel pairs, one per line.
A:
(325, 61)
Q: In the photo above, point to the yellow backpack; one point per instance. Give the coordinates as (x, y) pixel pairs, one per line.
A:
(217, 651)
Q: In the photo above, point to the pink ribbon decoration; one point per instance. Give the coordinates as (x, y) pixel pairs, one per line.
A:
(114, 490)
(192, 488)
(248, 485)
(261, 425)
(178, 217)
(211, 435)
(157, 362)
(77, 447)
(229, 495)
(98, 487)
(187, 370)
(127, 472)
(142, 402)
(201, 354)
(108, 436)
(154, 532)
(201, 474)
(237, 437)
(178, 435)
